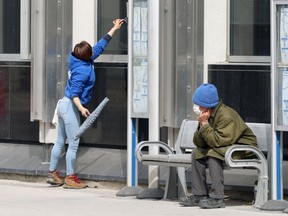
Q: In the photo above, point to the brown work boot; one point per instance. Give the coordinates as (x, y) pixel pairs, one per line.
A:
(72, 182)
(54, 178)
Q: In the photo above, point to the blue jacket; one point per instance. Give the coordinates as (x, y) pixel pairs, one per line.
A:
(81, 74)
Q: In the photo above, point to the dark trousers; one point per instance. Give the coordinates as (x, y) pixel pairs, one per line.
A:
(199, 186)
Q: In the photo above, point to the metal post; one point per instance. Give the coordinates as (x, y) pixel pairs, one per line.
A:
(276, 185)
(38, 59)
(131, 123)
(153, 64)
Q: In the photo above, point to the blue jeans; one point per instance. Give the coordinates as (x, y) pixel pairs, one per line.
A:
(68, 124)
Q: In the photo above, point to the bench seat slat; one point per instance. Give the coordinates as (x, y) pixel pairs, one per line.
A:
(170, 158)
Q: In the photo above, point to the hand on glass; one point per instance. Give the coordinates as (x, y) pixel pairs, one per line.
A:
(118, 23)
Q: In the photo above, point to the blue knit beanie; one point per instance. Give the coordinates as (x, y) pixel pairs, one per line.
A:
(206, 95)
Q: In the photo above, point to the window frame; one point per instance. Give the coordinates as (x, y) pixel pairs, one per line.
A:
(106, 58)
(25, 36)
(237, 58)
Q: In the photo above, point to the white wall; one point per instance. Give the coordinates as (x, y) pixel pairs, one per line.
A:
(215, 32)
(83, 21)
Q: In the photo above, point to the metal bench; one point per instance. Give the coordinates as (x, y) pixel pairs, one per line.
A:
(179, 158)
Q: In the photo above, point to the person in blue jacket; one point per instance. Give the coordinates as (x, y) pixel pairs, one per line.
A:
(81, 79)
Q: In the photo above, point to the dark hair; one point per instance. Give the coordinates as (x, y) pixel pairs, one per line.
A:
(83, 51)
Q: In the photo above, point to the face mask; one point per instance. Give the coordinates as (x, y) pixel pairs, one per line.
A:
(196, 109)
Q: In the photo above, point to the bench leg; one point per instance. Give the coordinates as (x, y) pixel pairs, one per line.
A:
(262, 192)
(182, 186)
(170, 187)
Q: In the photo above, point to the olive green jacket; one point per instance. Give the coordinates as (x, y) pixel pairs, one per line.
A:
(225, 128)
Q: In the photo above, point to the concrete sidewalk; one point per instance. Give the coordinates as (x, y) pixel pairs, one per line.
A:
(19, 198)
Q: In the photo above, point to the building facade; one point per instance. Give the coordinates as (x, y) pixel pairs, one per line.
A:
(225, 42)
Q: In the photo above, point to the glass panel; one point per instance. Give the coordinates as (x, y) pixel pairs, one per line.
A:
(244, 88)
(281, 75)
(4, 104)
(9, 26)
(15, 121)
(109, 10)
(140, 60)
(111, 126)
(250, 27)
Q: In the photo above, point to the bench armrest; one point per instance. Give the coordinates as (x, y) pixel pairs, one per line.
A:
(260, 163)
(257, 163)
(141, 145)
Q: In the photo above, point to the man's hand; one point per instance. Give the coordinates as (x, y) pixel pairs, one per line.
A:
(203, 117)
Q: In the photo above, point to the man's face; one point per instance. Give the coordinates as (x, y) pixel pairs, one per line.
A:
(203, 109)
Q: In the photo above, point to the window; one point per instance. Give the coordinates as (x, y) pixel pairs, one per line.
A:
(9, 26)
(249, 29)
(245, 88)
(108, 10)
(110, 127)
(15, 30)
(15, 102)
(111, 82)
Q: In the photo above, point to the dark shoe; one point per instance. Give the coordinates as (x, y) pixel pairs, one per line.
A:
(54, 178)
(211, 203)
(191, 200)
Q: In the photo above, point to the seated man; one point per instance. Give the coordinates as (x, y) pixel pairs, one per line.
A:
(219, 127)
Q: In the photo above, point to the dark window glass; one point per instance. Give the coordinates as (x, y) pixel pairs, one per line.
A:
(244, 88)
(9, 26)
(285, 145)
(109, 10)
(111, 126)
(15, 87)
(250, 27)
